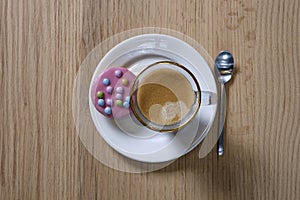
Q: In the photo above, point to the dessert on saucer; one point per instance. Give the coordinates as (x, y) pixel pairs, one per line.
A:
(109, 98)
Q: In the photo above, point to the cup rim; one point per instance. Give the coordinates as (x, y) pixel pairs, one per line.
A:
(198, 92)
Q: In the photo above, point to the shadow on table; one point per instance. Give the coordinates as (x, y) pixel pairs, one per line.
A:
(231, 176)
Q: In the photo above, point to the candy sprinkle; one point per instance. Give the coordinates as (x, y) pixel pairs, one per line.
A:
(109, 89)
(126, 104)
(109, 102)
(106, 81)
(101, 102)
(119, 96)
(119, 103)
(107, 110)
(118, 73)
(120, 90)
(100, 95)
(125, 82)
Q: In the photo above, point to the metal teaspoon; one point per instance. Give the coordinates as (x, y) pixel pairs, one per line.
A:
(223, 69)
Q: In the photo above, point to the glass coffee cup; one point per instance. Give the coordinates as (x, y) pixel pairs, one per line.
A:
(165, 96)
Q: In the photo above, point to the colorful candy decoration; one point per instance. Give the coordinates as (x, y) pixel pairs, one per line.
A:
(106, 81)
(119, 96)
(125, 82)
(100, 95)
(107, 110)
(119, 103)
(109, 89)
(109, 102)
(120, 90)
(101, 102)
(126, 104)
(118, 73)
(110, 92)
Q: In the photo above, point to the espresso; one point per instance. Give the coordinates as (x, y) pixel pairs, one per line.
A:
(165, 96)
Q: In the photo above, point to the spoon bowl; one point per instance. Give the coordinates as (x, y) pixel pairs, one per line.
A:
(224, 66)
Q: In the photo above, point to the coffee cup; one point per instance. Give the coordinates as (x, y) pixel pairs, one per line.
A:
(165, 96)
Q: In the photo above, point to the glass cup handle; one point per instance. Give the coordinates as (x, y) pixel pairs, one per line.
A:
(208, 98)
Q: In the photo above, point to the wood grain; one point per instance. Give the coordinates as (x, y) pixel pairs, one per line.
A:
(42, 45)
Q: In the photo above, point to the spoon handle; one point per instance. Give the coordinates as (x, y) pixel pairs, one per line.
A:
(222, 120)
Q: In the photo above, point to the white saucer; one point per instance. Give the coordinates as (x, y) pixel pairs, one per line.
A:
(136, 53)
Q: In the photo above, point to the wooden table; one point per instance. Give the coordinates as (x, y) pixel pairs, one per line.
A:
(42, 45)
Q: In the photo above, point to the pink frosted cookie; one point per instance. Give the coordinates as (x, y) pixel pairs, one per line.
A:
(111, 90)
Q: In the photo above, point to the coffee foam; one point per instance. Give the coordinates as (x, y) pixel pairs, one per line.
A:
(168, 113)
